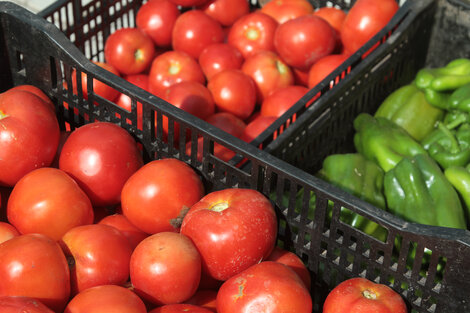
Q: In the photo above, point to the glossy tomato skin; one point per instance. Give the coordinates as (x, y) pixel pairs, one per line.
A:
(360, 295)
(33, 265)
(7, 231)
(252, 33)
(334, 16)
(156, 18)
(324, 67)
(365, 19)
(165, 268)
(293, 262)
(106, 299)
(180, 308)
(29, 135)
(121, 223)
(100, 156)
(10, 304)
(256, 127)
(194, 30)
(99, 88)
(35, 90)
(281, 100)
(218, 57)
(232, 230)
(125, 102)
(63, 204)
(264, 287)
(99, 254)
(156, 196)
(226, 12)
(285, 10)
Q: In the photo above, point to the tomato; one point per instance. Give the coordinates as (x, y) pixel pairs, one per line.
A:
(256, 127)
(173, 67)
(264, 287)
(34, 266)
(129, 50)
(205, 298)
(285, 10)
(180, 308)
(98, 255)
(48, 201)
(194, 30)
(362, 295)
(188, 3)
(300, 77)
(252, 33)
(233, 92)
(106, 299)
(29, 135)
(334, 16)
(293, 262)
(156, 18)
(302, 41)
(365, 19)
(11, 304)
(120, 222)
(324, 67)
(35, 90)
(281, 100)
(269, 73)
(125, 102)
(165, 268)
(7, 231)
(101, 157)
(232, 230)
(157, 195)
(218, 57)
(226, 12)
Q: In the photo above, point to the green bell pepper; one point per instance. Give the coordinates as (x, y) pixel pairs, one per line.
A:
(417, 190)
(382, 141)
(455, 118)
(408, 108)
(459, 177)
(460, 98)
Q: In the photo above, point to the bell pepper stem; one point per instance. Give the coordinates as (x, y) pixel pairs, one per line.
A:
(454, 144)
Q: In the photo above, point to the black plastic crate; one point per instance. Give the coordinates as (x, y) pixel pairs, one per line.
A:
(34, 51)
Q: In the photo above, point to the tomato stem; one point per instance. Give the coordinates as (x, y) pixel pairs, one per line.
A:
(2, 115)
(281, 67)
(174, 68)
(138, 55)
(252, 34)
(219, 207)
(369, 294)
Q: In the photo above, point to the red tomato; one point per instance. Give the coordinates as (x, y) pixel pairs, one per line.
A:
(173, 67)
(334, 16)
(194, 30)
(302, 41)
(101, 157)
(324, 67)
(226, 12)
(252, 33)
(129, 50)
(125, 102)
(165, 268)
(233, 92)
(218, 57)
(156, 196)
(63, 205)
(7, 231)
(64, 135)
(99, 255)
(204, 298)
(300, 77)
(232, 230)
(121, 223)
(256, 127)
(156, 18)
(285, 10)
(188, 3)
(264, 287)
(281, 100)
(34, 266)
(29, 135)
(106, 299)
(293, 262)
(11, 304)
(269, 73)
(35, 90)
(365, 19)
(360, 295)
(180, 308)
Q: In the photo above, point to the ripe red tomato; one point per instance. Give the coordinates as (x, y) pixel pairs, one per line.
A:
(165, 268)
(121, 223)
(129, 50)
(362, 295)
(156, 196)
(302, 41)
(293, 262)
(205, 298)
(156, 18)
(98, 255)
(324, 67)
(218, 57)
(125, 102)
(365, 19)
(334, 16)
(264, 287)
(256, 127)
(194, 30)
(285, 10)
(101, 157)
(281, 100)
(269, 73)
(7, 231)
(252, 33)
(35, 90)
(180, 308)
(173, 67)
(232, 230)
(63, 205)
(29, 135)
(226, 12)
(12, 304)
(233, 92)
(106, 299)
(188, 3)
(34, 266)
